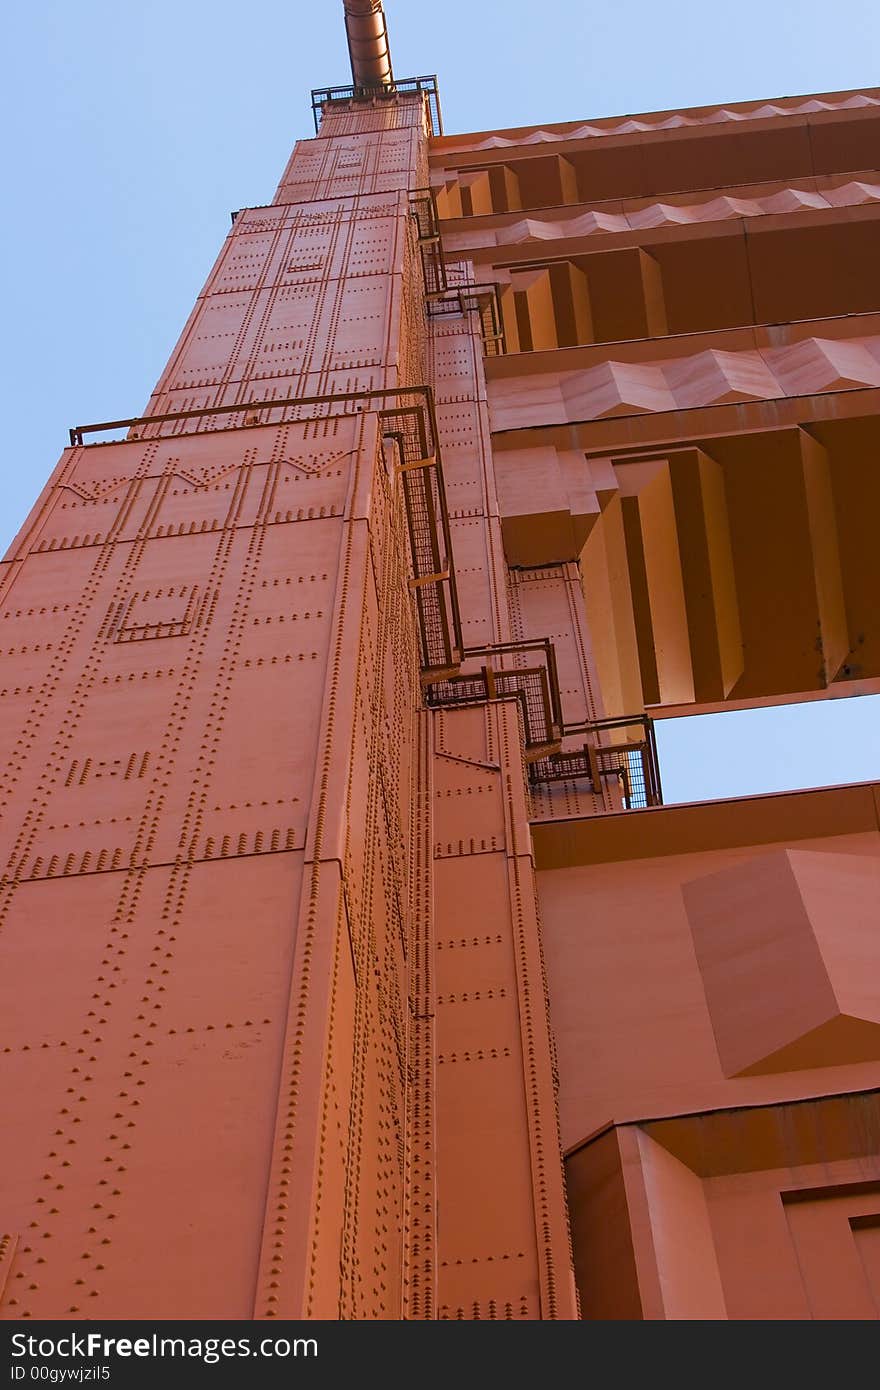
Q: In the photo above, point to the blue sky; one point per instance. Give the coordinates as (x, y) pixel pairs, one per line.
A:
(132, 131)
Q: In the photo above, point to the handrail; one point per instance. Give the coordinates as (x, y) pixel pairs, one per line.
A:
(413, 430)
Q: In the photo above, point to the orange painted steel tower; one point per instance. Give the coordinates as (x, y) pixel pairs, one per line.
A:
(350, 965)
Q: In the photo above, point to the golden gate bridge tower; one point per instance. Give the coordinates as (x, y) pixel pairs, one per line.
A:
(351, 966)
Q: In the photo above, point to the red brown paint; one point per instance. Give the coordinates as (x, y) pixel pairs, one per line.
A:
(314, 1001)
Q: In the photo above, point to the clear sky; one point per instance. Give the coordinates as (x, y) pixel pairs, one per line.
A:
(131, 132)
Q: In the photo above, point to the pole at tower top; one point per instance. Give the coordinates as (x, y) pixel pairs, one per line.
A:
(368, 48)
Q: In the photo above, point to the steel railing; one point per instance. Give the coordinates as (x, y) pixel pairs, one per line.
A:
(400, 86)
(603, 758)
